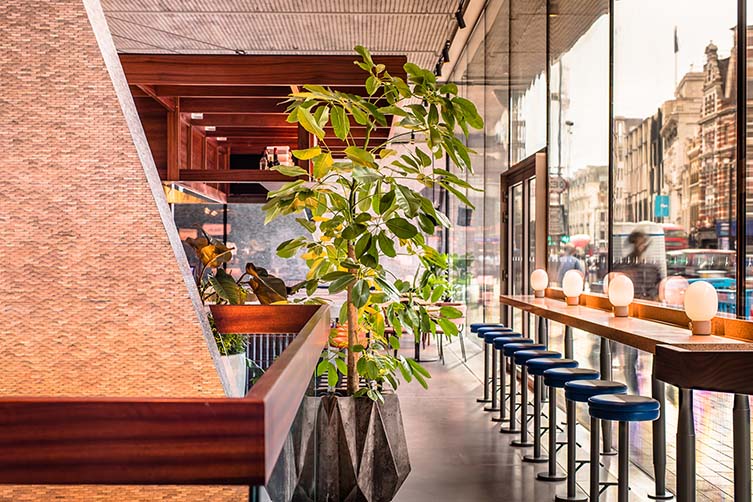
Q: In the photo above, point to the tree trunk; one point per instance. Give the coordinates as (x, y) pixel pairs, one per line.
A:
(352, 332)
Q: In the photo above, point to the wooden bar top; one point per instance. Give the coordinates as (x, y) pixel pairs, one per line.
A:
(639, 333)
(715, 363)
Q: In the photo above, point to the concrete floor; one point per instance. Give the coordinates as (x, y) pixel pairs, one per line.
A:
(457, 453)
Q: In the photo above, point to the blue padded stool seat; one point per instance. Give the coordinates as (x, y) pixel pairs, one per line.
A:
(476, 325)
(500, 342)
(489, 329)
(538, 366)
(582, 390)
(512, 348)
(558, 377)
(623, 408)
(523, 356)
(489, 336)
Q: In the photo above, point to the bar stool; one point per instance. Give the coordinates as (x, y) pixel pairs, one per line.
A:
(537, 367)
(556, 378)
(623, 409)
(580, 391)
(499, 345)
(521, 358)
(489, 337)
(475, 327)
(509, 351)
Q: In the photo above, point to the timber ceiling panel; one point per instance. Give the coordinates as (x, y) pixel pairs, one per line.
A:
(416, 28)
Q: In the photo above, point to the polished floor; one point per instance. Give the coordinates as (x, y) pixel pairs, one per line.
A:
(457, 453)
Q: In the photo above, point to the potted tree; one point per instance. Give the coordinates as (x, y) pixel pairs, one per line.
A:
(360, 209)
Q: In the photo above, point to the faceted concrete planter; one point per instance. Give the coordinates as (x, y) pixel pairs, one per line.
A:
(344, 449)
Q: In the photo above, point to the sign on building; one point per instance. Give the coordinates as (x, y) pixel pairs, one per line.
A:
(661, 206)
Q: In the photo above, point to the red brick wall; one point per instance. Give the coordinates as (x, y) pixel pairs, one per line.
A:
(93, 302)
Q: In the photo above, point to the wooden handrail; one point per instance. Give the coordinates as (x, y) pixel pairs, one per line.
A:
(193, 441)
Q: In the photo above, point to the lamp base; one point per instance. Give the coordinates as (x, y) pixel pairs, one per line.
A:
(539, 293)
(700, 327)
(572, 300)
(622, 311)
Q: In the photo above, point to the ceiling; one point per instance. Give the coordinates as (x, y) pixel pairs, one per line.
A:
(414, 28)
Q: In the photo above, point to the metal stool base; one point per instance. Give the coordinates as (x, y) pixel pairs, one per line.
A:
(666, 496)
(517, 443)
(535, 460)
(480, 400)
(509, 430)
(497, 419)
(489, 408)
(551, 478)
(565, 498)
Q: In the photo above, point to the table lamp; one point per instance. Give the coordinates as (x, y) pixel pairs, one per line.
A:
(539, 282)
(621, 294)
(572, 286)
(701, 304)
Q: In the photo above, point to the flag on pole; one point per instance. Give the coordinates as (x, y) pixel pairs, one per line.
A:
(677, 43)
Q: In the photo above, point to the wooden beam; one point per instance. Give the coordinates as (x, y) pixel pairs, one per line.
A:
(167, 103)
(223, 91)
(265, 120)
(232, 176)
(254, 132)
(304, 141)
(173, 146)
(274, 70)
(233, 105)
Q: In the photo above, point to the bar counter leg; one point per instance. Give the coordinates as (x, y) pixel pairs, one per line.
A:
(623, 463)
(741, 442)
(594, 466)
(502, 387)
(686, 448)
(605, 368)
(494, 406)
(512, 427)
(659, 438)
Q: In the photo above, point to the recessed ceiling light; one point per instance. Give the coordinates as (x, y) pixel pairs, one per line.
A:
(221, 138)
(197, 116)
(210, 128)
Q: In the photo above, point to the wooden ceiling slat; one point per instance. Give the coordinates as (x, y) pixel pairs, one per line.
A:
(260, 132)
(172, 69)
(223, 91)
(258, 120)
(232, 105)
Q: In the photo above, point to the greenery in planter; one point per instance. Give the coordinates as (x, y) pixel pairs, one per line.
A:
(367, 205)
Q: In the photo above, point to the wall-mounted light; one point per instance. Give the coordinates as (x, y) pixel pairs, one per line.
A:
(446, 52)
(572, 286)
(621, 293)
(539, 282)
(197, 116)
(701, 305)
(210, 128)
(438, 68)
(459, 15)
(221, 138)
(240, 52)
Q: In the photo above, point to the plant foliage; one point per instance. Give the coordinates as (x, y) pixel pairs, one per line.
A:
(367, 205)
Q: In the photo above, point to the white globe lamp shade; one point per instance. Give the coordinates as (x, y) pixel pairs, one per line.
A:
(539, 282)
(701, 305)
(621, 293)
(572, 286)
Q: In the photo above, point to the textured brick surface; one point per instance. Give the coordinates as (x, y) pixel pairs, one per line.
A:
(92, 300)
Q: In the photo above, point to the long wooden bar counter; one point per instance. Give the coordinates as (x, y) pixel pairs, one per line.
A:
(715, 363)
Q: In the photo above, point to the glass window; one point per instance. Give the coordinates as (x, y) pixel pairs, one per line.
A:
(674, 154)
(579, 140)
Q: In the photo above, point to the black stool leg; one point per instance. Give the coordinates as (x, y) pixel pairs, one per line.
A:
(572, 488)
(502, 387)
(485, 399)
(623, 463)
(594, 491)
(552, 474)
(494, 406)
(523, 441)
(512, 428)
(537, 457)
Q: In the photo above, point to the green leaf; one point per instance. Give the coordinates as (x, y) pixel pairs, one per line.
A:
(321, 368)
(353, 231)
(309, 122)
(307, 224)
(470, 112)
(340, 122)
(448, 88)
(341, 283)
(292, 171)
(450, 312)
(332, 376)
(341, 366)
(361, 293)
(386, 245)
(359, 155)
(322, 165)
(365, 54)
(386, 201)
(371, 85)
(425, 159)
(308, 153)
(426, 223)
(335, 275)
(226, 288)
(448, 327)
(363, 244)
(402, 228)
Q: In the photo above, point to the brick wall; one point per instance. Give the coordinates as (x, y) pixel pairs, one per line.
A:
(93, 301)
